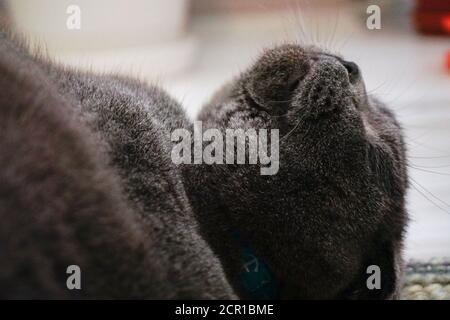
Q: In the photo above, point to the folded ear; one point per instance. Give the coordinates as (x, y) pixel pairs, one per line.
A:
(380, 276)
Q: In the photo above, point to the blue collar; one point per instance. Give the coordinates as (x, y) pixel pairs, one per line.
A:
(256, 278)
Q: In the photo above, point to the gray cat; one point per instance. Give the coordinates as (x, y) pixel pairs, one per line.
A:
(336, 205)
(87, 179)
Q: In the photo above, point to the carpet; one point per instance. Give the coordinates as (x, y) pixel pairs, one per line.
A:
(427, 280)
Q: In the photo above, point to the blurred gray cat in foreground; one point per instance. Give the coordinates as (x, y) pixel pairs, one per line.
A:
(87, 179)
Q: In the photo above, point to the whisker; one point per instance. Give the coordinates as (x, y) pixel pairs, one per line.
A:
(432, 167)
(336, 23)
(424, 146)
(293, 129)
(290, 132)
(300, 21)
(429, 171)
(372, 90)
(430, 193)
(428, 198)
(437, 157)
(420, 136)
(345, 41)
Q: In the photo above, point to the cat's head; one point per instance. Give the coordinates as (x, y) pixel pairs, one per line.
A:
(336, 206)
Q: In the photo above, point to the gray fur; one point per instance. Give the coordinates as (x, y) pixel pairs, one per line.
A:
(337, 204)
(87, 179)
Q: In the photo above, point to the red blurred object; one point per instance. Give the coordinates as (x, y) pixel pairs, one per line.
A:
(432, 17)
(448, 60)
(433, 5)
(431, 22)
(446, 23)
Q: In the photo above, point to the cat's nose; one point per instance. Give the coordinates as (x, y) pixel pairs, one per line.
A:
(327, 89)
(352, 70)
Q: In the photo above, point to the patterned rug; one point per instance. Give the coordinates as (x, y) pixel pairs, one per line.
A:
(427, 280)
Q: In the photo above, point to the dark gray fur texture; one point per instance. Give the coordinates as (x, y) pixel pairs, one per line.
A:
(87, 179)
(337, 204)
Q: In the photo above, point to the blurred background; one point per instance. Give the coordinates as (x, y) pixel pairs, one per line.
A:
(192, 47)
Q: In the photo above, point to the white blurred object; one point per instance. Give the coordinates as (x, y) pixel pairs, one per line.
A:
(115, 35)
(236, 6)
